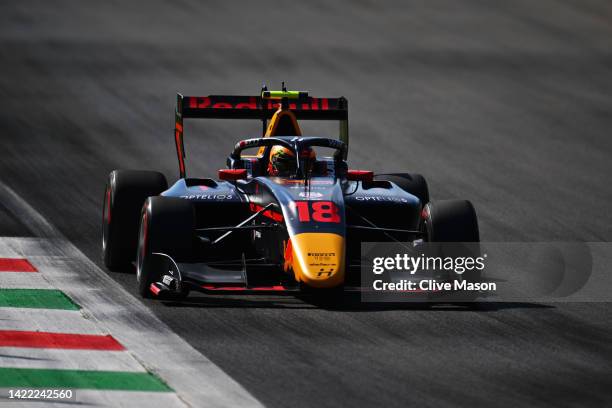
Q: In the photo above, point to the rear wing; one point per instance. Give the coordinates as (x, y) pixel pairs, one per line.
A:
(257, 107)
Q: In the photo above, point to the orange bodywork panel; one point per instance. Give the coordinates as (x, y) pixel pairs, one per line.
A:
(282, 123)
(317, 259)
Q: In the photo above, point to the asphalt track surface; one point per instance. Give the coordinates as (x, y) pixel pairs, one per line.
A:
(508, 104)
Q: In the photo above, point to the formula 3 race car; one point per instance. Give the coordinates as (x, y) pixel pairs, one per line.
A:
(255, 228)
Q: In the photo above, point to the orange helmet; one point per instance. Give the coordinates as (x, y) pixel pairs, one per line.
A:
(282, 160)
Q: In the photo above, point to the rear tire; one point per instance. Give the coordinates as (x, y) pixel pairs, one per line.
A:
(166, 226)
(126, 191)
(414, 184)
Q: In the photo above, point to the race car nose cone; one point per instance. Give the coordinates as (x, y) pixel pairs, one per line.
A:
(318, 259)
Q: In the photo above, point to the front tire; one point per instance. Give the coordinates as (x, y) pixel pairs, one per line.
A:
(166, 226)
(454, 225)
(451, 221)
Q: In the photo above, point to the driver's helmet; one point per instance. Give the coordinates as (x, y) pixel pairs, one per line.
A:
(282, 161)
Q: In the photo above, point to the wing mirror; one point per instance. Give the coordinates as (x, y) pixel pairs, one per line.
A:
(365, 176)
(232, 174)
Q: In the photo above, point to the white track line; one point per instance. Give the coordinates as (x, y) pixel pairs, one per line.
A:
(197, 380)
(99, 360)
(48, 320)
(14, 247)
(23, 280)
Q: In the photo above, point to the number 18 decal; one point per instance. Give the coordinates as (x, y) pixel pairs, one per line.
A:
(318, 211)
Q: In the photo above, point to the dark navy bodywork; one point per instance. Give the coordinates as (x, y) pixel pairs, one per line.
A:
(357, 210)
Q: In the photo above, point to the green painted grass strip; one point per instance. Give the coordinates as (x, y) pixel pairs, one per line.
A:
(80, 379)
(36, 298)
